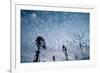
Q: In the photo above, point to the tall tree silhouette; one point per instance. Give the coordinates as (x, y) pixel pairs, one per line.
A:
(40, 42)
(65, 51)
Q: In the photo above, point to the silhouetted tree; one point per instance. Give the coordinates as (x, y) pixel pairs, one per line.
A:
(80, 46)
(40, 42)
(79, 37)
(65, 52)
(82, 41)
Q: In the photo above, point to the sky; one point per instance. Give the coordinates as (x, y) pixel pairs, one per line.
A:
(55, 27)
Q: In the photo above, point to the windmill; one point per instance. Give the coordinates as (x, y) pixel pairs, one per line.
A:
(40, 42)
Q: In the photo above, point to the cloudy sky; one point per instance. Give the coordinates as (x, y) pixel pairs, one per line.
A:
(54, 27)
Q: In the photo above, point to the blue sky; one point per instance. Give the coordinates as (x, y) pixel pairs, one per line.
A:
(55, 27)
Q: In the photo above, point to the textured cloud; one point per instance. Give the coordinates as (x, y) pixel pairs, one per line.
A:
(55, 27)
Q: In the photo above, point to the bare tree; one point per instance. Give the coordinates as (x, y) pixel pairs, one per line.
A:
(79, 38)
(65, 52)
(82, 43)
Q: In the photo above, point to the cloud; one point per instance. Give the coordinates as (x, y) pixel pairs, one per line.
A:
(34, 16)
